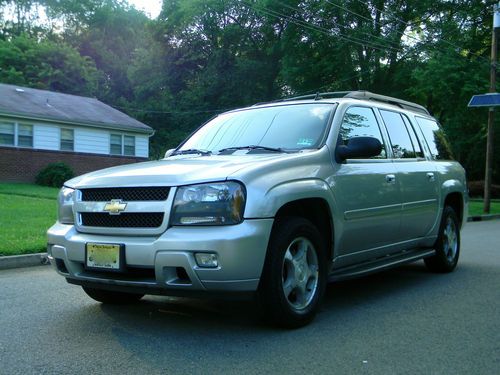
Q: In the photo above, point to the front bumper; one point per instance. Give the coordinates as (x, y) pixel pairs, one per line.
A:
(166, 264)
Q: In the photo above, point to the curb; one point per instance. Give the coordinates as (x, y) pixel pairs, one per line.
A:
(484, 217)
(26, 260)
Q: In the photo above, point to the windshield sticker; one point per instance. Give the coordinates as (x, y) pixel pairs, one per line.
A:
(305, 142)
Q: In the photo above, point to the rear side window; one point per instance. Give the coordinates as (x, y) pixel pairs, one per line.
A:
(361, 122)
(402, 146)
(414, 139)
(435, 138)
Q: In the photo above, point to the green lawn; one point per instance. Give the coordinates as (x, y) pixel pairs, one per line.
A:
(476, 207)
(29, 190)
(26, 212)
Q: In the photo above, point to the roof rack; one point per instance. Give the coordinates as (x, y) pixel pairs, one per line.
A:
(362, 95)
(367, 95)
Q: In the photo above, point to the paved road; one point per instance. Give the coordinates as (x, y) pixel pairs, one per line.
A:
(403, 321)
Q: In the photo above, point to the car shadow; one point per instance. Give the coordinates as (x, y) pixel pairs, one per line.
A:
(158, 312)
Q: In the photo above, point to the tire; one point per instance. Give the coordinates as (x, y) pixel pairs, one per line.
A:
(447, 244)
(111, 297)
(294, 275)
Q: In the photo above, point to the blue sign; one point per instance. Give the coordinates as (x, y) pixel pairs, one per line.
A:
(485, 100)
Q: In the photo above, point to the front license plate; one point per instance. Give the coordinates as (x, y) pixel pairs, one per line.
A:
(104, 256)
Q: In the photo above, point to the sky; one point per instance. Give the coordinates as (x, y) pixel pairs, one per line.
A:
(150, 7)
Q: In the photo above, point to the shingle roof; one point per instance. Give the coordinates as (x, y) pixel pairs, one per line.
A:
(49, 105)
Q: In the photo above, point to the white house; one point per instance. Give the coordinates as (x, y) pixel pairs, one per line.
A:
(38, 127)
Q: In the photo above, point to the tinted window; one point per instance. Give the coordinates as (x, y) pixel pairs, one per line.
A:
(413, 136)
(402, 146)
(291, 127)
(361, 122)
(435, 138)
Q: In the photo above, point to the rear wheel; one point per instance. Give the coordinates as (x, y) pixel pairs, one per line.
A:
(294, 275)
(447, 244)
(111, 297)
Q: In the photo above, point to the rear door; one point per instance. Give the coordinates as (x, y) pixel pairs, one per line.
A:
(417, 177)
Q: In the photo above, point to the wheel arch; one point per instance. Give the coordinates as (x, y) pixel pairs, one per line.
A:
(317, 211)
(455, 200)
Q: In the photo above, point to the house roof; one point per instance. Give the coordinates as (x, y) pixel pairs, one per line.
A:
(37, 104)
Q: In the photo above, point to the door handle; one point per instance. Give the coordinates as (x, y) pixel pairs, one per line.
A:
(390, 178)
(431, 177)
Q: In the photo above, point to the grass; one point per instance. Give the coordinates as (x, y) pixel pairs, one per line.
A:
(29, 190)
(26, 212)
(476, 207)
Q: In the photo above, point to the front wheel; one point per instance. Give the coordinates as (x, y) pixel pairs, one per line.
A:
(294, 276)
(447, 244)
(111, 297)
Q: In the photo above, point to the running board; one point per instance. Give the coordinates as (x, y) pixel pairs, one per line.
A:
(379, 264)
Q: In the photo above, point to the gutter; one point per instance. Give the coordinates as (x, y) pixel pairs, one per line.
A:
(91, 124)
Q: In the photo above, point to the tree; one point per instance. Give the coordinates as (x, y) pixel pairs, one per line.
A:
(47, 65)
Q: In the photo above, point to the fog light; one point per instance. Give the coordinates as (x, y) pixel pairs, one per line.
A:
(207, 260)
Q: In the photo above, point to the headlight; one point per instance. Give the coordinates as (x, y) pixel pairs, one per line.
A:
(209, 204)
(65, 205)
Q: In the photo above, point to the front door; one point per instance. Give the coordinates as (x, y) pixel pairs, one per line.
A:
(367, 193)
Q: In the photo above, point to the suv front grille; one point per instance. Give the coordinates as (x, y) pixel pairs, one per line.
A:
(152, 193)
(124, 220)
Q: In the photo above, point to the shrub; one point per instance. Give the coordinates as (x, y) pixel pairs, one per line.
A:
(54, 174)
(476, 189)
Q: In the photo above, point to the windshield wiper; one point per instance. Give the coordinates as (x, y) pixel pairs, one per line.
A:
(192, 151)
(252, 147)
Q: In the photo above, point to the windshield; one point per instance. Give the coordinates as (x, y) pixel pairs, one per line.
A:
(288, 128)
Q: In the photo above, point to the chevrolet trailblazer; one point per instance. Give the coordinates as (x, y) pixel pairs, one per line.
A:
(274, 200)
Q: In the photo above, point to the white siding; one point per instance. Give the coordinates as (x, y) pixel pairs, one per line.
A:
(142, 146)
(46, 137)
(92, 141)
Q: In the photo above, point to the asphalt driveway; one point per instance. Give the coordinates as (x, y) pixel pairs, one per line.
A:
(403, 321)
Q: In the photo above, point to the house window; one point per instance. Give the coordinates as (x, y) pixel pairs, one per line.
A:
(7, 132)
(129, 145)
(25, 136)
(67, 140)
(115, 146)
(12, 134)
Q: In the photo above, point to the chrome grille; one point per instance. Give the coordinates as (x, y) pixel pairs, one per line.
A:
(124, 220)
(129, 194)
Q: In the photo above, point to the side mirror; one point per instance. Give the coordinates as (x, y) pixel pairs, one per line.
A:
(358, 147)
(169, 152)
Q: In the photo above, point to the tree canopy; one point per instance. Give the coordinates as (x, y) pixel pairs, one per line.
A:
(201, 57)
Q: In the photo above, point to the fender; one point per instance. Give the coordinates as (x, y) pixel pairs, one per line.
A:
(278, 195)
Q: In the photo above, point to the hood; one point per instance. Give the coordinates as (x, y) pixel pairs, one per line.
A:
(173, 171)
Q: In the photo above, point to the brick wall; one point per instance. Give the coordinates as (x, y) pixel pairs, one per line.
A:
(22, 165)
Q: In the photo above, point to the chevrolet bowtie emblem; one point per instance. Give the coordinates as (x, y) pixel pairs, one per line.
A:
(115, 206)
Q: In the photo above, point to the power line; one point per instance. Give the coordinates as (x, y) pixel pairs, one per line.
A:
(391, 15)
(172, 112)
(344, 27)
(319, 29)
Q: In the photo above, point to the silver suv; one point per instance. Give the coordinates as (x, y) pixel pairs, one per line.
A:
(272, 201)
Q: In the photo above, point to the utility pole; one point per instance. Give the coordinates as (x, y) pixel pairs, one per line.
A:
(491, 113)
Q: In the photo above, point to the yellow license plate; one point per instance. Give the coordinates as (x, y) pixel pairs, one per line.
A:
(106, 256)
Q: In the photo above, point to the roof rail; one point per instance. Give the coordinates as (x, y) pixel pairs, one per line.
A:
(319, 95)
(367, 95)
(362, 95)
